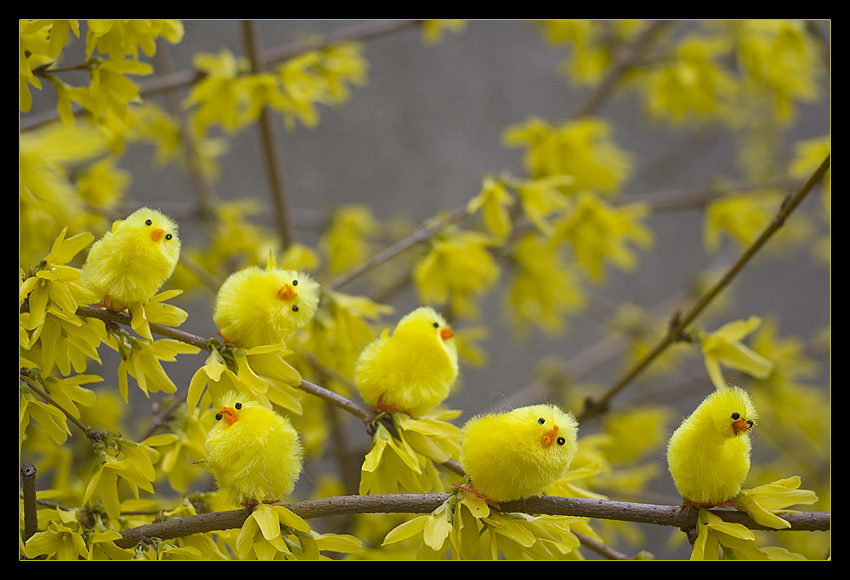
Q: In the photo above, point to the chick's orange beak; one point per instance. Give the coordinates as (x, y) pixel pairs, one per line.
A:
(228, 414)
(287, 292)
(740, 426)
(157, 234)
(446, 333)
(550, 436)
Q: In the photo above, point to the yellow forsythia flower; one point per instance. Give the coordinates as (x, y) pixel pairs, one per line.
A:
(544, 290)
(582, 149)
(600, 233)
(457, 268)
(724, 347)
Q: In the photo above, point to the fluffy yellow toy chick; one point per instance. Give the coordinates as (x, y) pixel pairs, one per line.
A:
(257, 306)
(517, 454)
(131, 262)
(254, 453)
(411, 370)
(709, 454)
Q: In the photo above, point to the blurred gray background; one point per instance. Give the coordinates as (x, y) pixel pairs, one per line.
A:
(419, 136)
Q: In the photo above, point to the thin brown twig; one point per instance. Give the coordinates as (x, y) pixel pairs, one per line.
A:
(205, 343)
(664, 515)
(90, 433)
(625, 58)
(203, 184)
(357, 32)
(160, 329)
(28, 473)
(420, 235)
(270, 142)
(188, 77)
(681, 321)
(367, 415)
(351, 33)
(690, 197)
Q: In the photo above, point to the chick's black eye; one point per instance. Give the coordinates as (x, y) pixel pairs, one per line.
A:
(436, 325)
(168, 236)
(561, 440)
(148, 222)
(295, 282)
(295, 308)
(238, 406)
(736, 416)
(218, 416)
(750, 422)
(541, 420)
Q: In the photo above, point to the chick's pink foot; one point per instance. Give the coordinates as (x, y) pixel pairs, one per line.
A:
(252, 503)
(706, 504)
(105, 304)
(383, 406)
(471, 489)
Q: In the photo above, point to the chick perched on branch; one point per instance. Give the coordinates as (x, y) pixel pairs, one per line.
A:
(709, 454)
(254, 454)
(517, 454)
(411, 370)
(131, 262)
(257, 306)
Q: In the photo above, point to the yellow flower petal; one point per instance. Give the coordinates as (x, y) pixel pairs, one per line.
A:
(436, 531)
(406, 530)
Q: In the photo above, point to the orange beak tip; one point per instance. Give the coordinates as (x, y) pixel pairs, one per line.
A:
(287, 292)
(157, 234)
(229, 415)
(550, 436)
(446, 333)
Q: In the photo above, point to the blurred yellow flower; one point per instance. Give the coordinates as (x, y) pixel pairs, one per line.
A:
(543, 290)
(123, 38)
(723, 347)
(582, 149)
(347, 241)
(457, 268)
(600, 233)
(432, 30)
(493, 200)
(692, 84)
(778, 56)
(543, 198)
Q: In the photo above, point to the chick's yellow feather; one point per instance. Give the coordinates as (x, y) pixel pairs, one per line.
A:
(129, 264)
(520, 453)
(257, 306)
(709, 454)
(412, 369)
(254, 453)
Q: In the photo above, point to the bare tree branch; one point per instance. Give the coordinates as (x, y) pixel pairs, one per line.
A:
(679, 322)
(663, 515)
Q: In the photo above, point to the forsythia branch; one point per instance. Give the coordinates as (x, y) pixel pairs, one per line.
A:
(414, 503)
(627, 57)
(91, 434)
(28, 473)
(679, 322)
(125, 319)
(367, 415)
(420, 235)
(271, 144)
